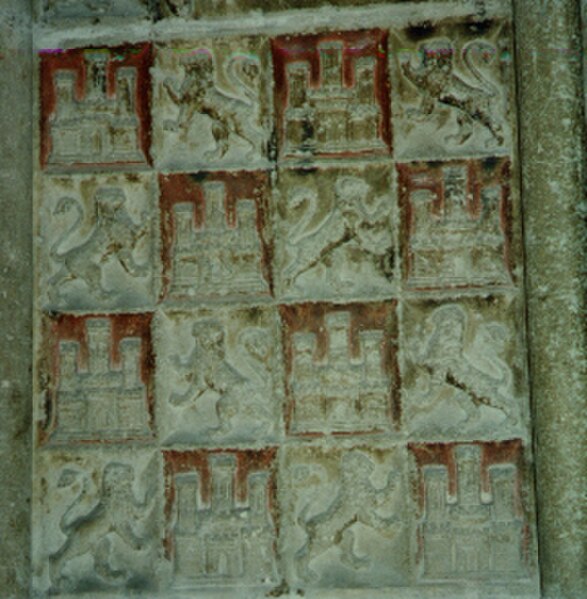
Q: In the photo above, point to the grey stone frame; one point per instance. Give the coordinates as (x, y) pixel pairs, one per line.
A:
(550, 36)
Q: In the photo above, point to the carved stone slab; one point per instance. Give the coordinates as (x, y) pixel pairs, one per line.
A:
(219, 375)
(215, 234)
(452, 89)
(335, 233)
(97, 525)
(98, 378)
(95, 107)
(212, 104)
(464, 373)
(340, 365)
(344, 517)
(473, 522)
(332, 94)
(457, 223)
(221, 518)
(97, 242)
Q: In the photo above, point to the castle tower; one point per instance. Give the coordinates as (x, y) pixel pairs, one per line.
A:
(455, 194)
(304, 344)
(99, 343)
(130, 351)
(468, 458)
(246, 219)
(68, 353)
(365, 80)
(338, 326)
(96, 62)
(125, 91)
(223, 468)
(371, 355)
(331, 64)
(187, 490)
(183, 218)
(64, 81)
(503, 484)
(436, 492)
(214, 195)
(257, 497)
(298, 83)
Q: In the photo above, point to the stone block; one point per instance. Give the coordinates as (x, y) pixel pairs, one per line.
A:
(473, 513)
(341, 370)
(59, 10)
(332, 94)
(335, 233)
(219, 375)
(96, 379)
(95, 107)
(464, 373)
(452, 84)
(222, 519)
(211, 104)
(216, 239)
(98, 242)
(457, 224)
(97, 527)
(344, 517)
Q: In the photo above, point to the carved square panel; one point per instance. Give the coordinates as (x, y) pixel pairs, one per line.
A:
(464, 369)
(473, 513)
(212, 105)
(216, 242)
(97, 378)
(219, 375)
(221, 519)
(452, 88)
(97, 523)
(332, 94)
(97, 247)
(95, 107)
(335, 233)
(457, 223)
(81, 9)
(341, 372)
(344, 517)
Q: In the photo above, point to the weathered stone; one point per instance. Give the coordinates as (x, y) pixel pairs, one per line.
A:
(211, 104)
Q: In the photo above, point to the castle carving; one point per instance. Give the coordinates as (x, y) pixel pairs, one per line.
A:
(225, 541)
(472, 534)
(332, 117)
(101, 401)
(100, 127)
(341, 392)
(452, 241)
(216, 258)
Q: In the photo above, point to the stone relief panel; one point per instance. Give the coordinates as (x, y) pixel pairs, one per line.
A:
(97, 524)
(452, 89)
(341, 372)
(79, 9)
(473, 523)
(96, 378)
(332, 94)
(216, 242)
(457, 224)
(221, 518)
(344, 517)
(464, 370)
(95, 107)
(219, 375)
(97, 242)
(335, 233)
(212, 104)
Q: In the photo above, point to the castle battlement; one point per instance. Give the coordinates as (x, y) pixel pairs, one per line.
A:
(339, 116)
(101, 400)
(222, 541)
(475, 529)
(100, 126)
(217, 257)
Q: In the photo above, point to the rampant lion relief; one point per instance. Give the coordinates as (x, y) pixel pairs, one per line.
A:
(213, 106)
(453, 95)
(99, 251)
